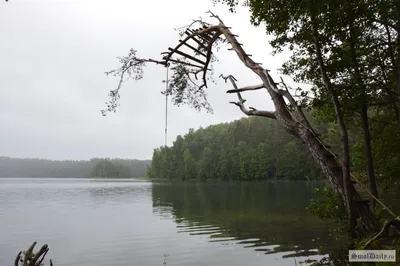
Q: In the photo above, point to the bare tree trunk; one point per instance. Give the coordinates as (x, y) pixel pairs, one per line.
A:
(334, 173)
(391, 50)
(368, 151)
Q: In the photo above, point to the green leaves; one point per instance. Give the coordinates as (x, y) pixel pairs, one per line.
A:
(131, 67)
(247, 149)
(189, 165)
(184, 90)
(360, 49)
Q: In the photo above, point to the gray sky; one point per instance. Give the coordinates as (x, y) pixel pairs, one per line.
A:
(52, 85)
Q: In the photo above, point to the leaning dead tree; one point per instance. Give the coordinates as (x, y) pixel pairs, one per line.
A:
(191, 60)
(30, 258)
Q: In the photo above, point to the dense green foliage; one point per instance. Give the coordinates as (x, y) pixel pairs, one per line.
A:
(106, 168)
(247, 149)
(13, 167)
(359, 43)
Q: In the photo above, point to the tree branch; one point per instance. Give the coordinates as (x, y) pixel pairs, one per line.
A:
(386, 24)
(251, 111)
(293, 102)
(248, 88)
(208, 59)
(210, 35)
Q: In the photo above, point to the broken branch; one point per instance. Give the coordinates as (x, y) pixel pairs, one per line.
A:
(248, 88)
(251, 111)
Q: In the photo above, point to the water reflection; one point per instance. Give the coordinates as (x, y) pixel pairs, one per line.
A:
(84, 222)
(268, 217)
(118, 193)
(119, 223)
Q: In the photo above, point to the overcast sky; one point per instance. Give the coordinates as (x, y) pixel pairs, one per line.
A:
(53, 55)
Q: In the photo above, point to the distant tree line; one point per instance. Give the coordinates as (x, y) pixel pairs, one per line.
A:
(108, 169)
(247, 149)
(14, 167)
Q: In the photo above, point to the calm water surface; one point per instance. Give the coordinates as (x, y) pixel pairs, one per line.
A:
(121, 223)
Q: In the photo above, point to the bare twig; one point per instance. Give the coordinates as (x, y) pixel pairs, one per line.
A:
(212, 15)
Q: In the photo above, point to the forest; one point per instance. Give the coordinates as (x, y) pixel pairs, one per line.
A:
(15, 167)
(238, 150)
(252, 148)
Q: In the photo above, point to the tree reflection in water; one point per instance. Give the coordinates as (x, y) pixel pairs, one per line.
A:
(264, 216)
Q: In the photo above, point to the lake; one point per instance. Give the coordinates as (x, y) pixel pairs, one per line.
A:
(127, 222)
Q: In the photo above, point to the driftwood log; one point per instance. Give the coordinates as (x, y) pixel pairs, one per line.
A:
(30, 258)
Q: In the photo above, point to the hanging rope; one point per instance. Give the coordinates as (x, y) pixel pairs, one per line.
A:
(166, 108)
